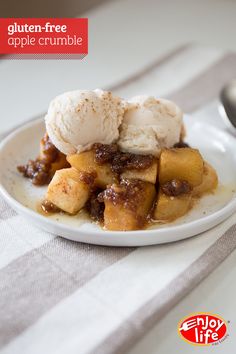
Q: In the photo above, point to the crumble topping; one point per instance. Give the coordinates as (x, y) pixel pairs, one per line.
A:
(121, 161)
(175, 187)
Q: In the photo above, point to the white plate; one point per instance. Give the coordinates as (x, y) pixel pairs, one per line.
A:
(216, 146)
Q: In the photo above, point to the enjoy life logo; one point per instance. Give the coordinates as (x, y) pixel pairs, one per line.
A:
(202, 329)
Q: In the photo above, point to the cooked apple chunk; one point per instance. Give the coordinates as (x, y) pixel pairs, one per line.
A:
(85, 161)
(68, 191)
(182, 164)
(169, 208)
(209, 182)
(148, 174)
(127, 205)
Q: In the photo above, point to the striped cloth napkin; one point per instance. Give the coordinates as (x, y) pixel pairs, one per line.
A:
(58, 296)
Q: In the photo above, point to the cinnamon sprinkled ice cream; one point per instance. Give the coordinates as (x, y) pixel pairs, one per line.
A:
(149, 125)
(78, 119)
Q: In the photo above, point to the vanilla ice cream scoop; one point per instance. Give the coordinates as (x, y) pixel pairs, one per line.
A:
(150, 125)
(78, 119)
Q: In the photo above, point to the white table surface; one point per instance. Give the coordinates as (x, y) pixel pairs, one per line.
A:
(134, 33)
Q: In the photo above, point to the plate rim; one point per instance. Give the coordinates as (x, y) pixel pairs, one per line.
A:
(212, 219)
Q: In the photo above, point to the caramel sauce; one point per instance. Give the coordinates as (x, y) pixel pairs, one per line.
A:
(49, 208)
(39, 171)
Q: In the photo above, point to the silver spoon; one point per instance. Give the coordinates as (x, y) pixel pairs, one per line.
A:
(228, 105)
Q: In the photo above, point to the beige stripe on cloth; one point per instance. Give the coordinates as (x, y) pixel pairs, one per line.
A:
(207, 85)
(149, 68)
(170, 75)
(145, 317)
(52, 271)
(59, 267)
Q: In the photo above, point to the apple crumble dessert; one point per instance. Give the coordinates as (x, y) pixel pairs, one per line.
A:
(124, 162)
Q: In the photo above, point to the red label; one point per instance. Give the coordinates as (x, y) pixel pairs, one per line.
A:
(44, 35)
(202, 329)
